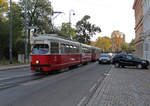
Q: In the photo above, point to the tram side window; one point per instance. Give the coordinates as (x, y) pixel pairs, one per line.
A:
(89, 50)
(67, 49)
(71, 49)
(76, 50)
(54, 48)
(62, 48)
(84, 50)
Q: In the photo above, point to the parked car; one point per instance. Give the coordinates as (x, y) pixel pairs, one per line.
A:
(104, 58)
(122, 60)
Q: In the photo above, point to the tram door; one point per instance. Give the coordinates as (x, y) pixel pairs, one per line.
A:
(54, 52)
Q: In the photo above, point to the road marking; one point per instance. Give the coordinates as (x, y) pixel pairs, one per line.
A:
(106, 74)
(138, 96)
(82, 100)
(93, 87)
(99, 79)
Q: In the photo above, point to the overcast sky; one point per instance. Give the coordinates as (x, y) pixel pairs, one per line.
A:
(109, 15)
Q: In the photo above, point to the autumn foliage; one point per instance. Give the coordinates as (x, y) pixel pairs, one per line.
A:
(118, 39)
(92, 43)
(104, 43)
(115, 44)
(3, 8)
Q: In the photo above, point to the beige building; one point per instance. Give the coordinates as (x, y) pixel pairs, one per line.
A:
(139, 28)
(146, 24)
(118, 38)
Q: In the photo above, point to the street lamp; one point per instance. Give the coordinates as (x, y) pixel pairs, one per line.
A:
(71, 11)
(25, 31)
(10, 34)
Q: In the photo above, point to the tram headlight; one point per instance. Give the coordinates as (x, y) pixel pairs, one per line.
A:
(37, 61)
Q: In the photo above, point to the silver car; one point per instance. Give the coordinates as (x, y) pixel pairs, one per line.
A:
(104, 58)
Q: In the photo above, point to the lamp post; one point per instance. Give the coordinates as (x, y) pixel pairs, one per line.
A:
(70, 22)
(25, 31)
(10, 34)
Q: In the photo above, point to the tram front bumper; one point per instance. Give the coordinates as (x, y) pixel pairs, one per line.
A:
(40, 67)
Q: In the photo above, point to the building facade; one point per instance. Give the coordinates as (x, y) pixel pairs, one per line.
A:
(139, 28)
(146, 24)
(118, 38)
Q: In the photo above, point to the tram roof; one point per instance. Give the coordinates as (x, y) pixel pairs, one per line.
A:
(53, 37)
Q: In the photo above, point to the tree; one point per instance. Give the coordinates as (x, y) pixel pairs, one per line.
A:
(64, 31)
(17, 41)
(3, 3)
(132, 46)
(125, 47)
(85, 30)
(104, 43)
(18, 38)
(38, 14)
(4, 30)
(4, 41)
(3, 8)
(92, 43)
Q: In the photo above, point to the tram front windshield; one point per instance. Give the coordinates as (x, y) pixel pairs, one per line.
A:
(40, 49)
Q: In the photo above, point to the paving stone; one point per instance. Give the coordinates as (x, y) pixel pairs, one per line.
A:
(123, 87)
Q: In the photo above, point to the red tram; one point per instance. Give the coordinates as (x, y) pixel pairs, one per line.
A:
(54, 53)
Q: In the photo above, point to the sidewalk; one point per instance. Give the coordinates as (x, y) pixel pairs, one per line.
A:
(8, 67)
(123, 87)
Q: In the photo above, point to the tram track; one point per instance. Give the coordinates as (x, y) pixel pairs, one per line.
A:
(15, 81)
(74, 87)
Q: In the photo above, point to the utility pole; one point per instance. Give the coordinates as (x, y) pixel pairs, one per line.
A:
(25, 31)
(54, 12)
(10, 34)
(70, 23)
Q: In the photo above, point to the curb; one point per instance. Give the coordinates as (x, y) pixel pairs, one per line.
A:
(3, 68)
(97, 95)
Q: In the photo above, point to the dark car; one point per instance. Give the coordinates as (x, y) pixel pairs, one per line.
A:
(122, 60)
(104, 58)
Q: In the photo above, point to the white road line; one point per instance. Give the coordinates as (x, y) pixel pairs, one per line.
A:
(106, 74)
(82, 100)
(99, 79)
(93, 87)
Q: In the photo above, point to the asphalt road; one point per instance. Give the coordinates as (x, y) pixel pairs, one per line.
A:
(7, 74)
(71, 88)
